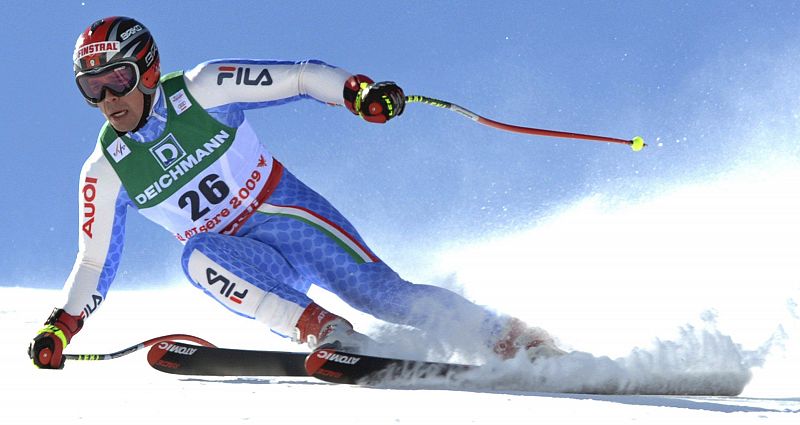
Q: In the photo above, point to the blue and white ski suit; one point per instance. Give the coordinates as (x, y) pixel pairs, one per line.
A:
(259, 255)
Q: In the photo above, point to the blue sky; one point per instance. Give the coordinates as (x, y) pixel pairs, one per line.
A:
(696, 79)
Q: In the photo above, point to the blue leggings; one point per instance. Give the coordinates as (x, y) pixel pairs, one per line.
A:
(298, 239)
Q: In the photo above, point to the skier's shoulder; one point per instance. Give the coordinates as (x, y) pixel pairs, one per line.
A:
(203, 74)
(97, 164)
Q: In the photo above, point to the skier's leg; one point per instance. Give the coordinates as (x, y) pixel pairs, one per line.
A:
(252, 279)
(325, 248)
(443, 313)
(231, 270)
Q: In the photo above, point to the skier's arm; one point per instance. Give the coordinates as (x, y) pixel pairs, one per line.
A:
(101, 219)
(102, 212)
(250, 84)
(260, 83)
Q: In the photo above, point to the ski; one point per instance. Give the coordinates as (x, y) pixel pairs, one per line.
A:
(325, 364)
(341, 367)
(187, 359)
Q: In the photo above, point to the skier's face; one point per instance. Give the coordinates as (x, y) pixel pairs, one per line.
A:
(122, 112)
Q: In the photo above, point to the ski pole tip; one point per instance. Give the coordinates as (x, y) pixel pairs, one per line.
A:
(637, 144)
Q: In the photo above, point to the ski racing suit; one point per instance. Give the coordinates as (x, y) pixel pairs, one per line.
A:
(256, 238)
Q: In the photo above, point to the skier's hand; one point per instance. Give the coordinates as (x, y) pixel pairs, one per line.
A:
(46, 349)
(375, 102)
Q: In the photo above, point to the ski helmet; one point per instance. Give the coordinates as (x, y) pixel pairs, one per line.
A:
(117, 39)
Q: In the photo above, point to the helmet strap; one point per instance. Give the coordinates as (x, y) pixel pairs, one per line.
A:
(146, 110)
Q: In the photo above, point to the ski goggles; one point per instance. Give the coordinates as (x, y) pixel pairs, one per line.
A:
(120, 78)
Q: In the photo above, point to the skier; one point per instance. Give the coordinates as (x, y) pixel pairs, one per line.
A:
(179, 149)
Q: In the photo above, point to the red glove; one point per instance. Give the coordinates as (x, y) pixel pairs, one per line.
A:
(46, 349)
(375, 102)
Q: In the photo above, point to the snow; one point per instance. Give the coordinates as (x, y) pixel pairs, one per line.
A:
(695, 288)
(126, 390)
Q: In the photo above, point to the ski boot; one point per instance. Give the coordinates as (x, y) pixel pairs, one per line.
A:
(318, 327)
(536, 342)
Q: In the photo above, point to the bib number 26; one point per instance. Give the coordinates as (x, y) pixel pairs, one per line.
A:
(211, 189)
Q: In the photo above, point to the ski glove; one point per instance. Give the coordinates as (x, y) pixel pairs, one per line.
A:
(375, 102)
(46, 349)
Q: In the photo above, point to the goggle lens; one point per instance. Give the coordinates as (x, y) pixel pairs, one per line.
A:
(120, 79)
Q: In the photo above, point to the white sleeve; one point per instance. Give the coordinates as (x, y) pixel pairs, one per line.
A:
(101, 224)
(261, 82)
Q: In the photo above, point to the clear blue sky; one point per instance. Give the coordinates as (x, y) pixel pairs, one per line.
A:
(690, 77)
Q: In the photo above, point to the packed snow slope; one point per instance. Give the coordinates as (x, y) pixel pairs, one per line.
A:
(127, 391)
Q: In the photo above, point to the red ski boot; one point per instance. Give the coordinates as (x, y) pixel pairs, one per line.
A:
(536, 342)
(318, 327)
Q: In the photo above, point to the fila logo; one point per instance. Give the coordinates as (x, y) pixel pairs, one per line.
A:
(89, 309)
(227, 290)
(242, 76)
(168, 151)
